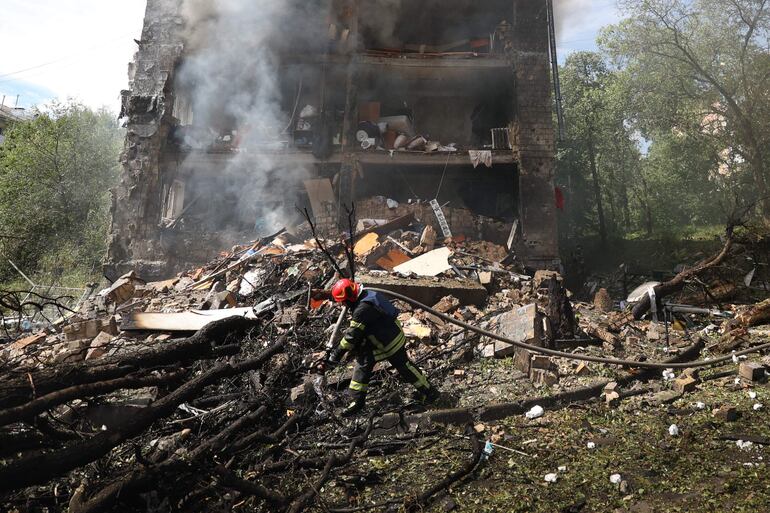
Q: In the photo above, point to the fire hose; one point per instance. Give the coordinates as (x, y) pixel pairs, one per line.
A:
(570, 356)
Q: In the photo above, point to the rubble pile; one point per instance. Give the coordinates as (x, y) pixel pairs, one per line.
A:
(202, 392)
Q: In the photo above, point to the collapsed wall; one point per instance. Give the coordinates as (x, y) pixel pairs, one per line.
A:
(208, 164)
(137, 201)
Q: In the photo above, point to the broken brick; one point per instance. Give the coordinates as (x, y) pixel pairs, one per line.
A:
(603, 301)
(543, 377)
(612, 399)
(543, 362)
(582, 369)
(447, 305)
(752, 371)
(726, 413)
(499, 350)
(99, 345)
(686, 384)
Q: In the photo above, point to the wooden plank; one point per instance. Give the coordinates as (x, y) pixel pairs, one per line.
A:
(393, 259)
(319, 191)
(192, 320)
(366, 244)
(23, 343)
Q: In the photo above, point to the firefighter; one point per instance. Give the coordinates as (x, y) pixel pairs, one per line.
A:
(374, 335)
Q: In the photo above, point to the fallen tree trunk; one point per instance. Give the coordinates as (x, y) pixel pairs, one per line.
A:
(23, 385)
(37, 469)
(28, 411)
(678, 282)
(754, 315)
(146, 477)
(498, 412)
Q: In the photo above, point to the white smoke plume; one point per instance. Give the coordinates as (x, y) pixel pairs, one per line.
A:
(569, 15)
(231, 76)
(381, 18)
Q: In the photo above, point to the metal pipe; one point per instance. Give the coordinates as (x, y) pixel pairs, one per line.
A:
(22, 274)
(555, 66)
(579, 357)
(337, 328)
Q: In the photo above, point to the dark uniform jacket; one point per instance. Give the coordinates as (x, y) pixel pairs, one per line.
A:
(374, 327)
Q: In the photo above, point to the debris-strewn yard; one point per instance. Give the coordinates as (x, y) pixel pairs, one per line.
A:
(202, 392)
(705, 467)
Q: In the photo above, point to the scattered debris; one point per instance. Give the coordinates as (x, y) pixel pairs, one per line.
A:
(726, 413)
(535, 413)
(430, 264)
(228, 353)
(752, 371)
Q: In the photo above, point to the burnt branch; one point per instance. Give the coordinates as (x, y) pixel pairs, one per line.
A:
(680, 280)
(37, 469)
(321, 245)
(22, 385)
(28, 411)
(350, 240)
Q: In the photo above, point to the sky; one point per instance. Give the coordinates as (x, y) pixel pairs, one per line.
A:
(76, 48)
(59, 49)
(580, 21)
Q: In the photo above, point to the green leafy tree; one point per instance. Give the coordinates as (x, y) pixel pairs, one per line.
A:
(597, 161)
(702, 68)
(55, 174)
(675, 187)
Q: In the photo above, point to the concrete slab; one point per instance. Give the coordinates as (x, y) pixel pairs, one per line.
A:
(430, 264)
(429, 291)
(522, 325)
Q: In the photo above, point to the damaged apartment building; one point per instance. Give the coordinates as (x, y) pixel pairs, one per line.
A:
(240, 114)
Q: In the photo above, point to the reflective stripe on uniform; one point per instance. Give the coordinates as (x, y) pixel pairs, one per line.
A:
(359, 387)
(422, 381)
(358, 325)
(391, 349)
(376, 343)
(347, 346)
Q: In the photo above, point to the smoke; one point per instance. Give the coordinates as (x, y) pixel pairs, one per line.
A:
(569, 16)
(381, 19)
(232, 77)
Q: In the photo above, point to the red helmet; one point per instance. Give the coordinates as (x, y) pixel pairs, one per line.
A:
(346, 291)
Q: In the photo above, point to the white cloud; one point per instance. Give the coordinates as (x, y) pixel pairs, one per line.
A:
(78, 48)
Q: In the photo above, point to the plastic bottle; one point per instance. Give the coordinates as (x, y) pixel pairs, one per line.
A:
(488, 450)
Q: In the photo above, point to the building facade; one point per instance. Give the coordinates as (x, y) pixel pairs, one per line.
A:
(234, 122)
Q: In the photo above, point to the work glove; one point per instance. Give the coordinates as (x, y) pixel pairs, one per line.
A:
(335, 356)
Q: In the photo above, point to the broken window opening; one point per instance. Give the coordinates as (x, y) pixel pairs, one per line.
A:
(432, 27)
(454, 109)
(492, 193)
(305, 112)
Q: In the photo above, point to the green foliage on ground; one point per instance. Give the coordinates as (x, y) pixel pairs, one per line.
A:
(55, 174)
(697, 470)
